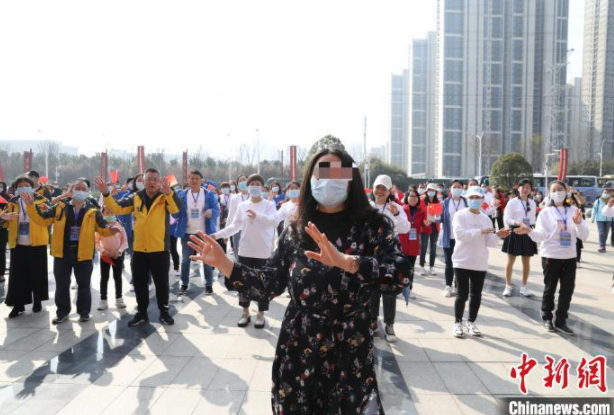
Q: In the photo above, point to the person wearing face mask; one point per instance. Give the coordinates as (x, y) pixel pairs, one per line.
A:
(75, 223)
(151, 208)
(287, 211)
(224, 201)
(451, 206)
(518, 211)
(111, 249)
(242, 195)
(4, 231)
(37, 186)
(330, 259)
(604, 223)
(256, 219)
(474, 234)
(199, 212)
(28, 242)
(421, 190)
(410, 242)
(558, 227)
(430, 231)
(383, 201)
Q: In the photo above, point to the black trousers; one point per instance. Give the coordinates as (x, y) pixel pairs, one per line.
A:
(174, 253)
(158, 265)
(105, 270)
(498, 220)
(390, 306)
(557, 271)
(4, 236)
(470, 285)
(28, 276)
(62, 270)
(449, 267)
(252, 263)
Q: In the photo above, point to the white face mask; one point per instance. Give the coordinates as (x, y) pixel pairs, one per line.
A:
(140, 185)
(559, 196)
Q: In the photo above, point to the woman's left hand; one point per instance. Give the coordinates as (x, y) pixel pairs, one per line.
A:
(328, 255)
(393, 209)
(504, 233)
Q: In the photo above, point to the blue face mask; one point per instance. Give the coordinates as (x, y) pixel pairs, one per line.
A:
(80, 195)
(457, 192)
(276, 189)
(21, 190)
(329, 192)
(605, 196)
(254, 191)
(421, 191)
(110, 219)
(243, 186)
(431, 193)
(475, 204)
(225, 190)
(294, 193)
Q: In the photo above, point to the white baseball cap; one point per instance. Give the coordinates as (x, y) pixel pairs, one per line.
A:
(383, 180)
(432, 186)
(474, 191)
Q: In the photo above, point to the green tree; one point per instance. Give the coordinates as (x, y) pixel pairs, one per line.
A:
(398, 176)
(510, 168)
(328, 141)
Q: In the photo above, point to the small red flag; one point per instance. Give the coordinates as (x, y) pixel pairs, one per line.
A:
(114, 176)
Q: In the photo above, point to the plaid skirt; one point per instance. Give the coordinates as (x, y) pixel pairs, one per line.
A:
(519, 245)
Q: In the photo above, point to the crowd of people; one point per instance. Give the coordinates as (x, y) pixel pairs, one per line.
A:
(337, 248)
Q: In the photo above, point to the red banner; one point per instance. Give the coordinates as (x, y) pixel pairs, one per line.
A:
(293, 162)
(184, 167)
(104, 166)
(563, 162)
(140, 159)
(114, 176)
(27, 161)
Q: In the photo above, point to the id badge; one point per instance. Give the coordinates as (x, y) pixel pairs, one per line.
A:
(526, 221)
(74, 233)
(565, 238)
(194, 213)
(413, 234)
(24, 229)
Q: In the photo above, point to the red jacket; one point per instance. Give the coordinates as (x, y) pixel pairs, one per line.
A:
(412, 248)
(427, 229)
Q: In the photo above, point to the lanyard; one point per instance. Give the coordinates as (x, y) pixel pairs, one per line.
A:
(456, 206)
(524, 207)
(563, 218)
(23, 210)
(195, 199)
(242, 199)
(413, 215)
(384, 207)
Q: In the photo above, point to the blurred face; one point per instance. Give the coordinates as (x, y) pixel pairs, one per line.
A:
(152, 182)
(381, 193)
(35, 180)
(80, 187)
(456, 186)
(106, 211)
(556, 187)
(525, 190)
(412, 199)
(23, 183)
(195, 181)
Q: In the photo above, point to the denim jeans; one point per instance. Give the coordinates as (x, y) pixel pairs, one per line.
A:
(424, 246)
(603, 228)
(186, 251)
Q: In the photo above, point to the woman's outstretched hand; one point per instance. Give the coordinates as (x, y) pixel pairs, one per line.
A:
(210, 252)
(328, 255)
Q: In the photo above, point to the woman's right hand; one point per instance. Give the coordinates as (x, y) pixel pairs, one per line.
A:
(9, 216)
(523, 229)
(210, 253)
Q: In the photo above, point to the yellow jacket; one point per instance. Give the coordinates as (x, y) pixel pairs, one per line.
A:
(39, 235)
(56, 216)
(151, 227)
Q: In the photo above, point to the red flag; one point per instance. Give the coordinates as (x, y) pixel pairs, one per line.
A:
(172, 179)
(44, 179)
(114, 176)
(3, 200)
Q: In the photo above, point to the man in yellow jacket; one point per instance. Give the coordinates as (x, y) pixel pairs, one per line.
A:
(75, 222)
(151, 208)
(28, 243)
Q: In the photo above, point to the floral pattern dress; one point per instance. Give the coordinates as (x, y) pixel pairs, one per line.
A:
(324, 362)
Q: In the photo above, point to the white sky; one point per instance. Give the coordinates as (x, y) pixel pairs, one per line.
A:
(179, 74)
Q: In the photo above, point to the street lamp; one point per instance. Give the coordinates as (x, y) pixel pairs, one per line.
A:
(479, 138)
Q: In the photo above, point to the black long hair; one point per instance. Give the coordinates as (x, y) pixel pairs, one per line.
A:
(357, 204)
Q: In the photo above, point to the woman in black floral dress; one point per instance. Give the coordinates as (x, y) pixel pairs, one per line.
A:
(330, 260)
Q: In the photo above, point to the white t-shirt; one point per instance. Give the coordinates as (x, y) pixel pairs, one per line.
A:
(286, 212)
(454, 207)
(471, 249)
(550, 224)
(256, 234)
(23, 227)
(401, 224)
(516, 212)
(195, 210)
(233, 204)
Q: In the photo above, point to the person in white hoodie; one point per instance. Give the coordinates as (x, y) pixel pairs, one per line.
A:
(383, 202)
(256, 219)
(474, 234)
(558, 227)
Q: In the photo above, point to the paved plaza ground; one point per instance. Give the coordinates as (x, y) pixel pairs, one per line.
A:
(205, 364)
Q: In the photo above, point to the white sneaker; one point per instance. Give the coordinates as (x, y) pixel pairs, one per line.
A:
(132, 287)
(457, 330)
(73, 287)
(150, 287)
(454, 290)
(447, 292)
(178, 273)
(104, 304)
(119, 303)
(390, 335)
(508, 291)
(473, 329)
(432, 271)
(422, 271)
(259, 321)
(524, 291)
